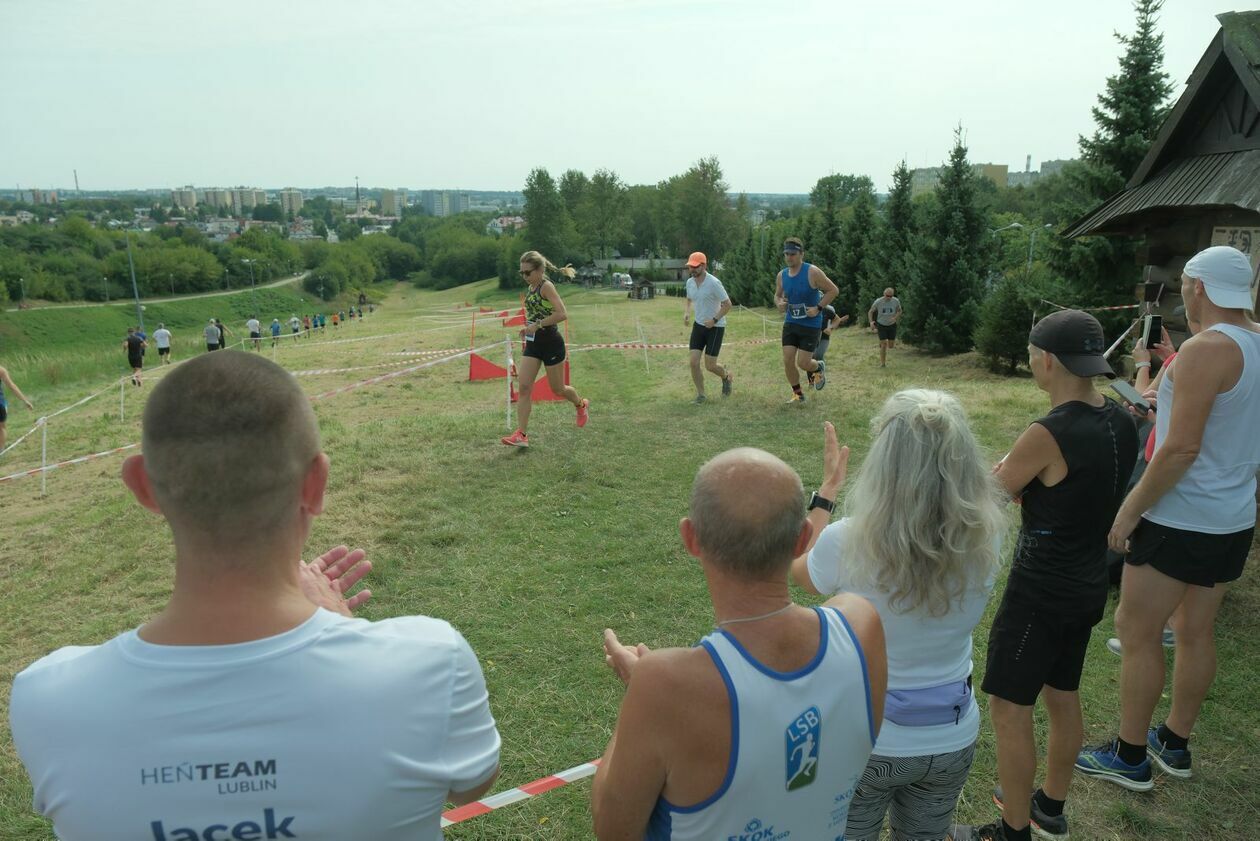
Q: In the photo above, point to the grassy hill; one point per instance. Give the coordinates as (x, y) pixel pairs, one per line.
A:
(532, 553)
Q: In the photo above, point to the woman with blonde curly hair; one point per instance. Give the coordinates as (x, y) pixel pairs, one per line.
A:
(921, 540)
(544, 346)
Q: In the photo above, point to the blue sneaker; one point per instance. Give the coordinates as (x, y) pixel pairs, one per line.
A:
(1104, 762)
(1173, 762)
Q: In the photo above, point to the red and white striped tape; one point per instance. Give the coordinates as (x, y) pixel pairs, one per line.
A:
(1093, 309)
(516, 795)
(34, 471)
(37, 470)
(317, 371)
(392, 374)
(671, 346)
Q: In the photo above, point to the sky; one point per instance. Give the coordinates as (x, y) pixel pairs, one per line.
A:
(473, 95)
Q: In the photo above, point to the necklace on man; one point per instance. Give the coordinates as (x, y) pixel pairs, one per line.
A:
(783, 609)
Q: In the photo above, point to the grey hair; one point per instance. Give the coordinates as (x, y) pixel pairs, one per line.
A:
(925, 511)
(747, 508)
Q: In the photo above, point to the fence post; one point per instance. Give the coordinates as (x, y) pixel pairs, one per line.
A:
(43, 460)
(508, 344)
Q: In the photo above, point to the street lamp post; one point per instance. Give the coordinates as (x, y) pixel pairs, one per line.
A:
(253, 296)
(22, 283)
(1032, 239)
(105, 283)
(171, 277)
(135, 290)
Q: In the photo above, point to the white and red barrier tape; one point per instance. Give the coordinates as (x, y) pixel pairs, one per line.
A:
(311, 372)
(1092, 309)
(659, 346)
(516, 795)
(392, 374)
(37, 470)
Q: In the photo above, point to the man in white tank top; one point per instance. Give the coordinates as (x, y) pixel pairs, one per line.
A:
(762, 730)
(1188, 524)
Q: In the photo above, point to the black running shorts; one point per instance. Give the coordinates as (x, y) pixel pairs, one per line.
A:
(1031, 645)
(801, 338)
(887, 332)
(1191, 557)
(707, 339)
(548, 345)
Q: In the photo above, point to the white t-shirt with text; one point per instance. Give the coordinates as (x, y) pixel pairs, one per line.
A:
(340, 728)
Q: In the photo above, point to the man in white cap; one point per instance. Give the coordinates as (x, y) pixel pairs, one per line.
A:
(1188, 524)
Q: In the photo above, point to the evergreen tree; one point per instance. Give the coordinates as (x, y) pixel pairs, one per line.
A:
(890, 262)
(856, 254)
(1131, 109)
(1002, 334)
(942, 305)
(1134, 104)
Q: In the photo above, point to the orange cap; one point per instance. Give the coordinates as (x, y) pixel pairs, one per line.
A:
(697, 258)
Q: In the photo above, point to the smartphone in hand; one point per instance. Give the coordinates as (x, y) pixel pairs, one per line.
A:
(1130, 395)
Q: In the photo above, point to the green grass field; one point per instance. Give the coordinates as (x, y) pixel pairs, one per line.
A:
(532, 553)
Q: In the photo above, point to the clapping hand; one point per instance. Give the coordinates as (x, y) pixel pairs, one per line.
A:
(835, 462)
(327, 579)
(620, 658)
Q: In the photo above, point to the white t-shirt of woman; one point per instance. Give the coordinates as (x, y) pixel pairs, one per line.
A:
(923, 650)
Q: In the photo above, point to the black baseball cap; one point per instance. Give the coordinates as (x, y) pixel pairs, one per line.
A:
(1076, 338)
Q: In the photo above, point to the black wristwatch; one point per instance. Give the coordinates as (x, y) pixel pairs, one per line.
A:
(817, 501)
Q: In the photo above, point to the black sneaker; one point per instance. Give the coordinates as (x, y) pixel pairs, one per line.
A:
(1043, 825)
(1173, 762)
(988, 832)
(726, 385)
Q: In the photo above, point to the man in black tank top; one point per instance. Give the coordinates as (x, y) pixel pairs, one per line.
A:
(1070, 468)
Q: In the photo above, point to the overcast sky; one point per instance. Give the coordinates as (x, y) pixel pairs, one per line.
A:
(434, 93)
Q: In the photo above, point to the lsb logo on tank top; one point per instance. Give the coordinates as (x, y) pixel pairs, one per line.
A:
(802, 738)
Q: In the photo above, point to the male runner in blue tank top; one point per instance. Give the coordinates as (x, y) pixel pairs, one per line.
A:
(765, 727)
(801, 291)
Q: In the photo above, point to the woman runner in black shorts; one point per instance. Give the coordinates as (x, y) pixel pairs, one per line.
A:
(544, 346)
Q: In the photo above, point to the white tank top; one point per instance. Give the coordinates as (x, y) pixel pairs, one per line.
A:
(799, 744)
(1216, 495)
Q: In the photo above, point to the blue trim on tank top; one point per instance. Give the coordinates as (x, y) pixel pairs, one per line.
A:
(734, 759)
(866, 677)
(786, 676)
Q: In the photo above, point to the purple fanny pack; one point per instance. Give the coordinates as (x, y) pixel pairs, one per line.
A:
(930, 706)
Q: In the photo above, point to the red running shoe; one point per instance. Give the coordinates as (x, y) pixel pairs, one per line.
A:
(516, 439)
(582, 416)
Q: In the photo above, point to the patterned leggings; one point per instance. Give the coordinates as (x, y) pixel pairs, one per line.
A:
(919, 791)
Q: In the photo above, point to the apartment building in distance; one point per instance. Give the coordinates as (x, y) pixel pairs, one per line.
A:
(925, 179)
(216, 198)
(184, 197)
(246, 198)
(444, 202)
(393, 201)
(290, 200)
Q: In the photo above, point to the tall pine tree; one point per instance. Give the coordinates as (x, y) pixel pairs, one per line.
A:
(942, 306)
(891, 261)
(856, 253)
(1101, 270)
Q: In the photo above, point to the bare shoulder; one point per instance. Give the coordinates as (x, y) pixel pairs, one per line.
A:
(675, 674)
